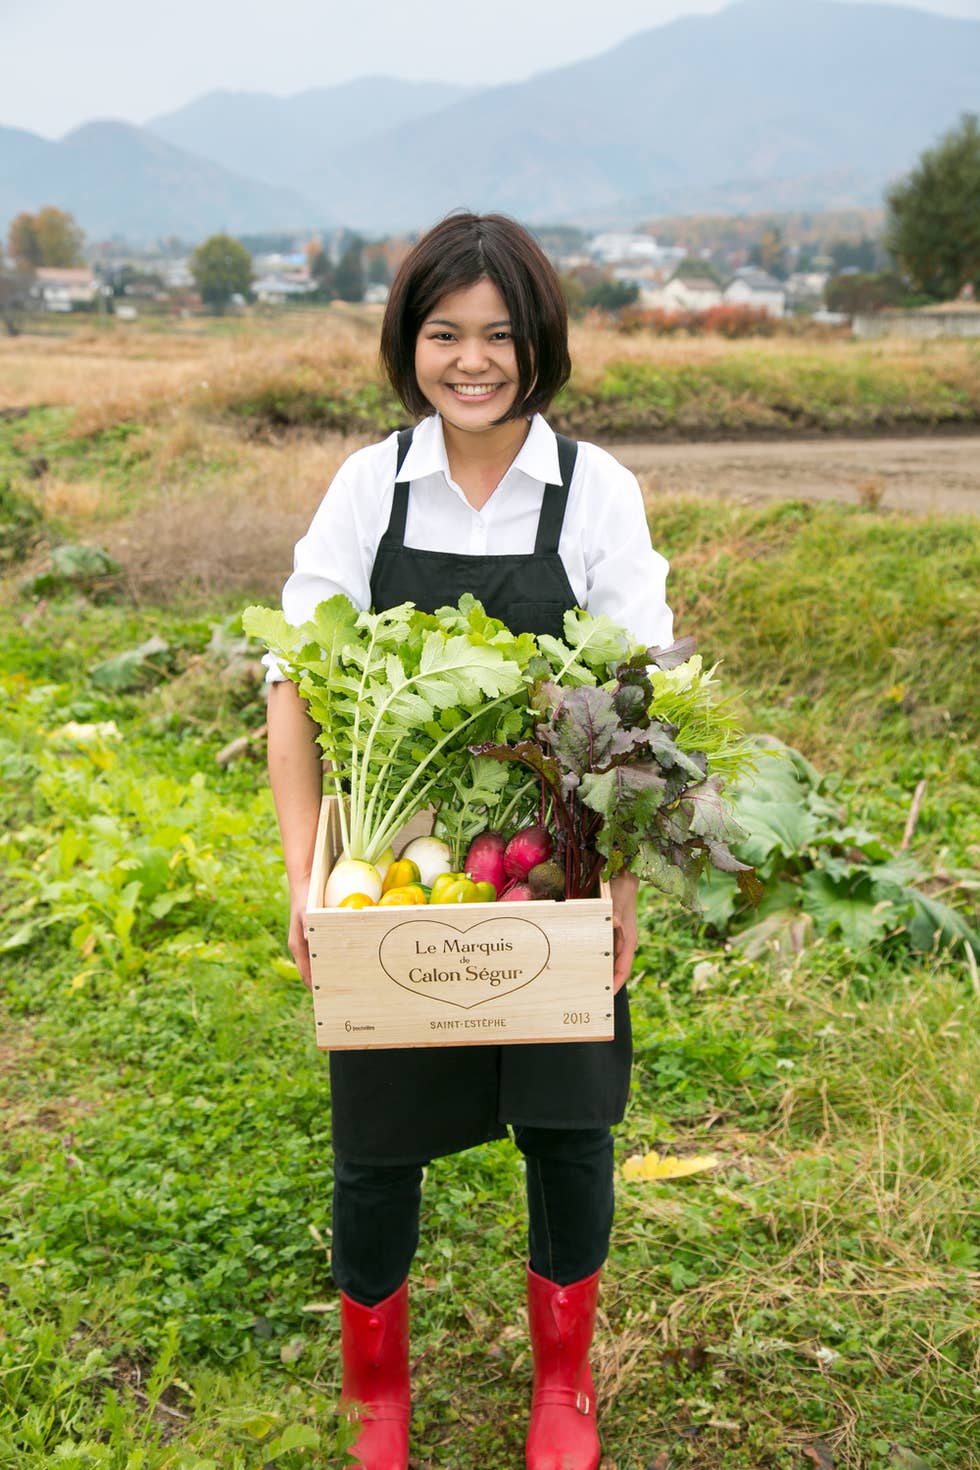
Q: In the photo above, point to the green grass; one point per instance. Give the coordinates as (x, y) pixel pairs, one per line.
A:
(762, 389)
(757, 390)
(165, 1302)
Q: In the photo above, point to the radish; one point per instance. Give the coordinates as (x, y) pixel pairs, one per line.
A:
(517, 893)
(525, 850)
(431, 856)
(485, 860)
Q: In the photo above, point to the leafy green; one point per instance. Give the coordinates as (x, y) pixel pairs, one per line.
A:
(687, 697)
(487, 795)
(624, 793)
(399, 696)
(414, 709)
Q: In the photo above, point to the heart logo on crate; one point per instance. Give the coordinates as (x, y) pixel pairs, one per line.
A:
(464, 967)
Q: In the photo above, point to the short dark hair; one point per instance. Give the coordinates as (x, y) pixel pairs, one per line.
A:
(460, 250)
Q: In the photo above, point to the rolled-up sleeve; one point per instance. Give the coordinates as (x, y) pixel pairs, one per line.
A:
(626, 577)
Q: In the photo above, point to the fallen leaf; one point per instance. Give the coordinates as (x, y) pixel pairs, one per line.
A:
(652, 1166)
(819, 1452)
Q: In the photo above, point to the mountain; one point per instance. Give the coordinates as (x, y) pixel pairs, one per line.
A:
(769, 104)
(23, 156)
(276, 138)
(811, 103)
(117, 179)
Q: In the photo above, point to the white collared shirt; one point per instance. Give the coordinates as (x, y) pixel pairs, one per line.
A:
(605, 541)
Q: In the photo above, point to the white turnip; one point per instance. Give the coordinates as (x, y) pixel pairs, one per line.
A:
(431, 856)
(351, 876)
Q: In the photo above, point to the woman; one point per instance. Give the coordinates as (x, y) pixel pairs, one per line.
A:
(480, 497)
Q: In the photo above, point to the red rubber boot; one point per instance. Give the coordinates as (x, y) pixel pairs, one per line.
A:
(562, 1434)
(374, 1348)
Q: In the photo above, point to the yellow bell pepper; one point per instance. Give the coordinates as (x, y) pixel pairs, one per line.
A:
(401, 872)
(356, 901)
(409, 894)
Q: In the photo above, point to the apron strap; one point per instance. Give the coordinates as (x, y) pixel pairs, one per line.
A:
(395, 533)
(555, 499)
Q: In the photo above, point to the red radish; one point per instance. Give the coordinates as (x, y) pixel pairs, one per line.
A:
(525, 850)
(517, 893)
(485, 860)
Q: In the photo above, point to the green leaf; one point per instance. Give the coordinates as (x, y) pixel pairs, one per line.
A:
(293, 1437)
(849, 910)
(781, 827)
(931, 924)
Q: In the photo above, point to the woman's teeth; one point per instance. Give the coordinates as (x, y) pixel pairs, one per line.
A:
(474, 390)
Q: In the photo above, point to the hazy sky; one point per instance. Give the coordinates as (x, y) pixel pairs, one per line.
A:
(65, 63)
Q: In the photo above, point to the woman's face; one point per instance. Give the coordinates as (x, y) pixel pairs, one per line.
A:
(464, 358)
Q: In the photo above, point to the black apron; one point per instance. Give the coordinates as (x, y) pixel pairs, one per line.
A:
(417, 1103)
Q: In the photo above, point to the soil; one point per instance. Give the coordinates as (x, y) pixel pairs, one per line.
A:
(939, 474)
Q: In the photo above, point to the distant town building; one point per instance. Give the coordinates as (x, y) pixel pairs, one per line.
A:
(634, 252)
(64, 288)
(757, 290)
(285, 278)
(804, 290)
(684, 293)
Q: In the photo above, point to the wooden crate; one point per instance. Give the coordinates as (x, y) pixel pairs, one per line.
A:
(455, 974)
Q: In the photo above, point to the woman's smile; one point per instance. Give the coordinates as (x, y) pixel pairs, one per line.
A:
(475, 390)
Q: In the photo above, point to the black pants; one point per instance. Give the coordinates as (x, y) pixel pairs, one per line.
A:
(569, 1175)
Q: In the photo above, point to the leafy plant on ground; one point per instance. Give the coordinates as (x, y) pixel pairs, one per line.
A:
(814, 862)
(76, 568)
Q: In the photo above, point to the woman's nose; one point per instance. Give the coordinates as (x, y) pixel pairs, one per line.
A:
(472, 354)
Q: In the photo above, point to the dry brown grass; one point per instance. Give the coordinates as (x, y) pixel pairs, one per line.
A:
(75, 501)
(133, 374)
(118, 376)
(229, 531)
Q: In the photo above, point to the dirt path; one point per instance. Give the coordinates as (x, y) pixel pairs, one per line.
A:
(940, 474)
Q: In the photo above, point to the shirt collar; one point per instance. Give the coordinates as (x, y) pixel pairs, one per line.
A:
(537, 457)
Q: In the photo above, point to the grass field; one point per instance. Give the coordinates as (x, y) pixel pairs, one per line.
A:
(165, 1299)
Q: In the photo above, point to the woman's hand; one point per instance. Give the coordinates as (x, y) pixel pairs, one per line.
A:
(299, 945)
(624, 888)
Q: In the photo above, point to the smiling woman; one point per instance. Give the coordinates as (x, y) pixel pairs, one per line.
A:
(480, 497)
